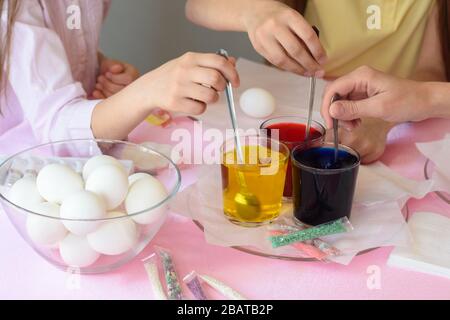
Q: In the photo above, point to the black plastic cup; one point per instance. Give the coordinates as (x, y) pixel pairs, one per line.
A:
(323, 189)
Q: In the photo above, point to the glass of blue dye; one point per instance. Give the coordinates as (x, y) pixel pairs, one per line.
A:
(323, 188)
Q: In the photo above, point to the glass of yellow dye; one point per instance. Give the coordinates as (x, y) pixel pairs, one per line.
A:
(253, 188)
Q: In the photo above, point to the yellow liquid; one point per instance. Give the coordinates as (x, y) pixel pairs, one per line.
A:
(265, 182)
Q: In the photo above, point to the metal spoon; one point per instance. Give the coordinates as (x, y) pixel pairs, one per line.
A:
(247, 204)
(312, 93)
(336, 97)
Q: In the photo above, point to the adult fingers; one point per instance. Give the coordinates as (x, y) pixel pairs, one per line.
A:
(305, 32)
(279, 57)
(345, 86)
(294, 47)
(353, 110)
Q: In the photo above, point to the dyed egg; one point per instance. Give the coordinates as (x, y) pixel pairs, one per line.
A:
(24, 193)
(137, 176)
(115, 236)
(98, 161)
(76, 251)
(83, 205)
(110, 183)
(143, 194)
(57, 181)
(257, 103)
(45, 230)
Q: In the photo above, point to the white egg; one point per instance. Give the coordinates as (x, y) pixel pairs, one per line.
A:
(137, 176)
(110, 183)
(57, 181)
(98, 161)
(24, 193)
(83, 205)
(115, 236)
(76, 251)
(257, 103)
(144, 194)
(45, 230)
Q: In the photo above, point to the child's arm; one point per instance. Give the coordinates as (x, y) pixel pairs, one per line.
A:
(431, 65)
(186, 84)
(278, 32)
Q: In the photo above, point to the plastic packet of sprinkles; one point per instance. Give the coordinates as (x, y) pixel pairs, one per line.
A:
(193, 283)
(317, 248)
(307, 249)
(173, 285)
(151, 266)
(222, 288)
(338, 226)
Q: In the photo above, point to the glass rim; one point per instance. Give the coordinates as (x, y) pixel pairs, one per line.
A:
(258, 137)
(326, 171)
(317, 123)
(170, 195)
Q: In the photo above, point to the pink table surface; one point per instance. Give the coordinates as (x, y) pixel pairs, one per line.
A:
(24, 275)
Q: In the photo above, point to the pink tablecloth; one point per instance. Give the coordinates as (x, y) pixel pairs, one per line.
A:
(23, 274)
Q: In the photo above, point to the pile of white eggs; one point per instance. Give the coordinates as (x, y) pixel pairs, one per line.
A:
(80, 214)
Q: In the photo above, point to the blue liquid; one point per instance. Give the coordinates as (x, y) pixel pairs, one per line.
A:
(321, 197)
(323, 158)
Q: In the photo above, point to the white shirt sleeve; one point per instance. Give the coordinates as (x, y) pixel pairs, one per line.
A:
(40, 75)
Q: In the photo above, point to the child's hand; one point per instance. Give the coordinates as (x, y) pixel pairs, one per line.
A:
(187, 84)
(284, 37)
(114, 76)
(369, 138)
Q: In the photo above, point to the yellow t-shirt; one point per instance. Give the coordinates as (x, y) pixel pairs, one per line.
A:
(384, 34)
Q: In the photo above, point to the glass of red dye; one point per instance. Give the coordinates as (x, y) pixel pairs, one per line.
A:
(291, 130)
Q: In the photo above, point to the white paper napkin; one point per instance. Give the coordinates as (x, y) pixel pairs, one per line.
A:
(430, 252)
(377, 225)
(379, 184)
(439, 153)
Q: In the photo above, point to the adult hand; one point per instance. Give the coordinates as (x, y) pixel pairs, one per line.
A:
(368, 139)
(368, 93)
(281, 35)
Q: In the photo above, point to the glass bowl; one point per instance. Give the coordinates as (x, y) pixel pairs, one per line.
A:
(75, 153)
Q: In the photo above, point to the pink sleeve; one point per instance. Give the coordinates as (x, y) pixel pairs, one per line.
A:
(40, 75)
(106, 7)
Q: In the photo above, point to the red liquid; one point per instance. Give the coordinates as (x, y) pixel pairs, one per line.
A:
(292, 134)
